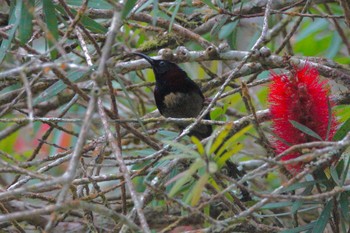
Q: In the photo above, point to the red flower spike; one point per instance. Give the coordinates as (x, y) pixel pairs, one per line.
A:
(303, 98)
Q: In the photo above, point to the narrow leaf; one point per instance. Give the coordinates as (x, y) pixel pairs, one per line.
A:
(299, 185)
(57, 87)
(276, 205)
(210, 4)
(344, 205)
(95, 4)
(227, 29)
(233, 140)
(342, 131)
(305, 129)
(15, 17)
(297, 204)
(322, 221)
(198, 189)
(131, 103)
(52, 25)
(228, 154)
(219, 189)
(182, 148)
(334, 175)
(89, 23)
(155, 11)
(220, 4)
(199, 145)
(187, 176)
(143, 6)
(334, 46)
(345, 171)
(219, 140)
(25, 29)
(178, 2)
(300, 229)
(316, 26)
(129, 5)
(221, 22)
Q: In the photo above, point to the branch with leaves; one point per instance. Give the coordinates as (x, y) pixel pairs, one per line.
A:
(83, 146)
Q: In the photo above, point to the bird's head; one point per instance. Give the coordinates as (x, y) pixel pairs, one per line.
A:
(163, 69)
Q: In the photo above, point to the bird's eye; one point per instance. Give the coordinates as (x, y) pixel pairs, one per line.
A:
(162, 63)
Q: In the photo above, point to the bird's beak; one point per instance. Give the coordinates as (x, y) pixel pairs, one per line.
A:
(150, 60)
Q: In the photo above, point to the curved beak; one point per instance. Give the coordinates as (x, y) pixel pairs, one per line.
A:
(150, 60)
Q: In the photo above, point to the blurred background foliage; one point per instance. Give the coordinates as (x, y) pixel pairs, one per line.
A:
(50, 47)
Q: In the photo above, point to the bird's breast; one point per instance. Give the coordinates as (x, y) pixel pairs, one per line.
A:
(180, 105)
(173, 99)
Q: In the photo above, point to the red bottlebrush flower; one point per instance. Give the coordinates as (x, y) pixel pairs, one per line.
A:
(303, 98)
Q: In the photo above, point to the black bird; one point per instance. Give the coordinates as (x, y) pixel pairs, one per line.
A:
(176, 95)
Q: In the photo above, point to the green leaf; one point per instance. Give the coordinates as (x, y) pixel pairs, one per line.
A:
(215, 113)
(220, 4)
(25, 29)
(342, 131)
(177, 156)
(145, 5)
(171, 175)
(153, 169)
(300, 229)
(219, 189)
(276, 205)
(7, 144)
(178, 2)
(315, 38)
(335, 175)
(233, 140)
(206, 211)
(155, 11)
(334, 46)
(52, 25)
(131, 103)
(199, 145)
(228, 154)
(344, 205)
(95, 4)
(57, 87)
(253, 39)
(218, 25)
(186, 177)
(227, 29)
(89, 23)
(198, 189)
(322, 221)
(219, 140)
(139, 183)
(316, 26)
(129, 4)
(342, 59)
(300, 185)
(210, 4)
(183, 148)
(164, 134)
(345, 170)
(305, 129)
(297, 204)
(15, 18)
